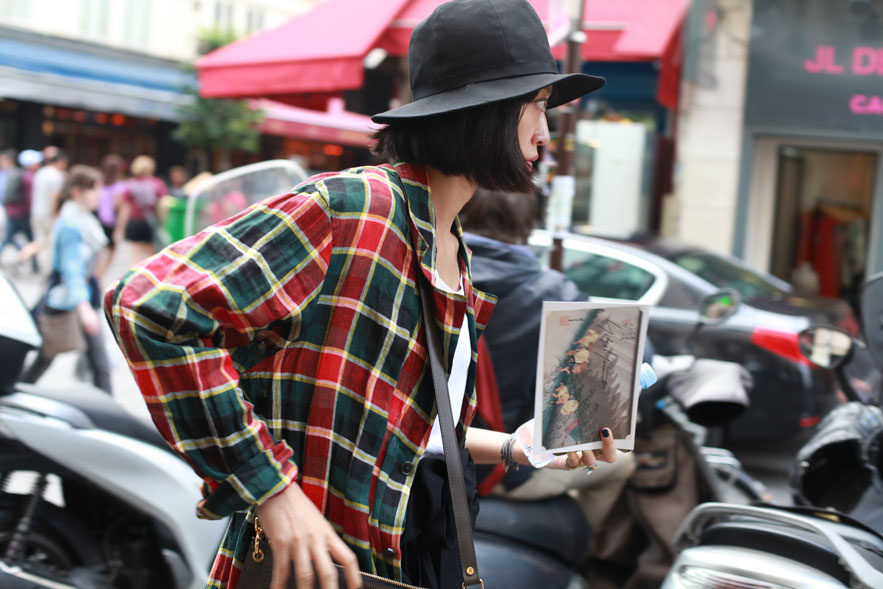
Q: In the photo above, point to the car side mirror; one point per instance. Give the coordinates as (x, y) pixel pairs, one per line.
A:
(824, 346)
(719, 306)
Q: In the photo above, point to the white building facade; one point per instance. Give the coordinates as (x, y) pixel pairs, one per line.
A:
(106, 76)
(167, 29)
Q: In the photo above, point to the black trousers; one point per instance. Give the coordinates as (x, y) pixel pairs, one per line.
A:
(430, 557)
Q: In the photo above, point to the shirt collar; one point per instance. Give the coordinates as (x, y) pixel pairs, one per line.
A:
(415, 182)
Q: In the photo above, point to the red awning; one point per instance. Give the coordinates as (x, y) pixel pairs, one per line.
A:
(335, 125)
(633, 30)
(624, 30)
(322, 51)
(319, 51)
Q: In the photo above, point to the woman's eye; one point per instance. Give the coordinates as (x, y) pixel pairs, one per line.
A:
(543, 104)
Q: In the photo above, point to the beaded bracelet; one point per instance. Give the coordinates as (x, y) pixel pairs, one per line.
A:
(507, 457)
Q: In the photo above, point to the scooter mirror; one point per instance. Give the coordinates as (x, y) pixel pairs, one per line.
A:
(825, 347)
(18, 332)
(872, 315)
(718, 307)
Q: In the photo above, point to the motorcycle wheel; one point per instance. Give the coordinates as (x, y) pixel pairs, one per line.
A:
(44, 549)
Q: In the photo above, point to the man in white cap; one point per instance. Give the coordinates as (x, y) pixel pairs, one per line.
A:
(47, 185)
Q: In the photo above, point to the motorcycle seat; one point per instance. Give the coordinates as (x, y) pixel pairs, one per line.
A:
(85, 406)
(797, 544)
(555, 526)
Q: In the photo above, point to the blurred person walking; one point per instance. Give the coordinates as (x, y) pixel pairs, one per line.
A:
(178, 177)
(17, 192)
(7, 167)
(498, 225)
(48, 181)
(113, 169)
(67, 314)
(137, 217)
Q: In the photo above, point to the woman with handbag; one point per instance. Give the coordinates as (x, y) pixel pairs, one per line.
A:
(137, 219)
(312, 355)
(67, 315)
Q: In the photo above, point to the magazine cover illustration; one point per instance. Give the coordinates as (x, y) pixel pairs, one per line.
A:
(588, 374)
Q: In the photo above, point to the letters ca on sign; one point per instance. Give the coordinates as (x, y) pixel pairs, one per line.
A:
(865, 61)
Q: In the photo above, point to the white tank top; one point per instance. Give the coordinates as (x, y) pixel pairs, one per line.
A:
(459, 371)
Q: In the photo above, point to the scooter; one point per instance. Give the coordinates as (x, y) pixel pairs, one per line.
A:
(544, 543)
(833, 537)
(90, 496)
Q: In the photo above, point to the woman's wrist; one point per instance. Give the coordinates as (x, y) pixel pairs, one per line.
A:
(507, 457)
(519, 455)
(512, 453)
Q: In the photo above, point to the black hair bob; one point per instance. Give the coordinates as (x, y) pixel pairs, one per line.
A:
(480, 143)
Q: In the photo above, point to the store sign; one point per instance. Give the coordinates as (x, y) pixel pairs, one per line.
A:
(816, 65)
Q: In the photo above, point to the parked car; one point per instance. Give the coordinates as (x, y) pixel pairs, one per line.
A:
(789, 395)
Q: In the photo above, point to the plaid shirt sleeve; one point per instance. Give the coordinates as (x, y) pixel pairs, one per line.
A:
(194, 316)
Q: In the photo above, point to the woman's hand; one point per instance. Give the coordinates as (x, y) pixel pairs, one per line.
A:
(526, 452)
(301, 537)
(88, 318)
(586, 458)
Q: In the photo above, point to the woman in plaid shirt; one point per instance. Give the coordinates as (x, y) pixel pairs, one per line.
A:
(282, 351)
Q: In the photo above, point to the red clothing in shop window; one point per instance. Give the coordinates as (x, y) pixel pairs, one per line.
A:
(821, 243)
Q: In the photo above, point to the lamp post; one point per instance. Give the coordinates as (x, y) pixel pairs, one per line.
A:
(564, 184)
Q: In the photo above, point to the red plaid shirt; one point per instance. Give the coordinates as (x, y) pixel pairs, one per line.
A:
(286, 343)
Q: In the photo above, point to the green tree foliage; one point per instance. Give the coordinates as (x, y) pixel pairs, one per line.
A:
(218, 125)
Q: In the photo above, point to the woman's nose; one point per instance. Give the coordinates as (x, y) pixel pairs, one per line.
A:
(541, 135)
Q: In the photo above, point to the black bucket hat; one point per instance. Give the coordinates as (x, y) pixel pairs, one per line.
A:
(473, 52)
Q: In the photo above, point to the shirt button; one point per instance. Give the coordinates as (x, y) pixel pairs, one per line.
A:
(406, 468)
(389, 553)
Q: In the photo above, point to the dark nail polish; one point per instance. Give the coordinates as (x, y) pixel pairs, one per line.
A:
(605, 432)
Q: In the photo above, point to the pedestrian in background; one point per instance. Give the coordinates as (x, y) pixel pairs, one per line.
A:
(137, 219)
(178, 177)
(17, 196)
(498, 225)
(72, 294)
(48, 181)
(7, 163)
(284, 353)
(113, 189)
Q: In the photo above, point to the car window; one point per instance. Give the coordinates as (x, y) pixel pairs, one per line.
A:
(679, 295)
(603, 276)
(723, 273)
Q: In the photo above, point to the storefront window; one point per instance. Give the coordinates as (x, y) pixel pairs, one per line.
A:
(823, 209)
(90, 135)
(611, 173)
(9, 117)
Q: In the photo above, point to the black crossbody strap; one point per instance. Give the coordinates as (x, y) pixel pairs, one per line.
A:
(463, 523)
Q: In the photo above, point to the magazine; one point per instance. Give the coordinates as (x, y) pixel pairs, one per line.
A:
(588, 374)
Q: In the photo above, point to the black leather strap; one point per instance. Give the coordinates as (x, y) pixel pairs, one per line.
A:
(463, 523)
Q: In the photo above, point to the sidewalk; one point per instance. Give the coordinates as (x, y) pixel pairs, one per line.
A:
(63, 369)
